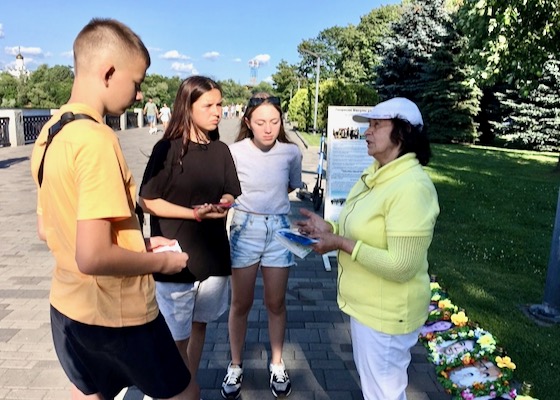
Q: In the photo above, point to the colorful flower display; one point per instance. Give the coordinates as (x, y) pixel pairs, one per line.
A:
(469, 364)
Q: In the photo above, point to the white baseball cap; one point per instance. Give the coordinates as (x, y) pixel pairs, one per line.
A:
(397, 107)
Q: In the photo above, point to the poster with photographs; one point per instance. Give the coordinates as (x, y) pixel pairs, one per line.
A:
(347, 155)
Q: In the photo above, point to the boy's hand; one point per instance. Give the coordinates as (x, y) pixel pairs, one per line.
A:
(174, 262)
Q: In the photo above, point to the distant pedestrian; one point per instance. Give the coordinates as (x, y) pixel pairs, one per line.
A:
(164, 116)
(151, 112)
(107, 330)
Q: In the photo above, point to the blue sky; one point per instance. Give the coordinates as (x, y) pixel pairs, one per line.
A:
(185, 37)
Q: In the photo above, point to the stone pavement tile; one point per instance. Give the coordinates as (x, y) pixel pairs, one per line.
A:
(17, 378)
(56, 394)
(49, 379)
(27, 394)
(341, 379)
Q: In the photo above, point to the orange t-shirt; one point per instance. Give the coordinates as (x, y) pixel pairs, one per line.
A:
(85, 176)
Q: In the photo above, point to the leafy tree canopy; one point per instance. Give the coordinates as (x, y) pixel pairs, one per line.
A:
(510, 40)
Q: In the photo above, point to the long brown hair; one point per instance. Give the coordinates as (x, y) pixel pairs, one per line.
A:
(181, 122)
(252, 105)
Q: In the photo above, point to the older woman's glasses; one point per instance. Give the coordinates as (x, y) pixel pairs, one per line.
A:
(257, 101)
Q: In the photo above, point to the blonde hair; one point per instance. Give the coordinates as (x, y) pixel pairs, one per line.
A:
(102, 36)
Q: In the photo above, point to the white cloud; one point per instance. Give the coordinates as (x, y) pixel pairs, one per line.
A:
(1, 31)
(184, 68)
(174, 55)
(237, 60)
(67, 54)
(269, 79)
(33, 51)
(262, 58)
(211, 55)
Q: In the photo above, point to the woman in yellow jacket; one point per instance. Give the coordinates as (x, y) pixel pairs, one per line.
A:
(382, 238)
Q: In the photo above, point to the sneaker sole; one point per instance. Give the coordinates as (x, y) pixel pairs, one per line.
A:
(280, 395)
(230, 396)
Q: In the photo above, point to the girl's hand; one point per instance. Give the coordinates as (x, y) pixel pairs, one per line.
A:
(158, 241)
(209, 211)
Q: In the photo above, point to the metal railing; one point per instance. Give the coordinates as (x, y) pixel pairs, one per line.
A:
(32, 126)
(114, 122)
(4, 133)
(131, 120)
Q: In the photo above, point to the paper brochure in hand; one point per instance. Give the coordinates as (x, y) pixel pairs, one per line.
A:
(174, 247)
(294, 241)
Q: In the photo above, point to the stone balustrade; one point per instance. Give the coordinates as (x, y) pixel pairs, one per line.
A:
(19, 127)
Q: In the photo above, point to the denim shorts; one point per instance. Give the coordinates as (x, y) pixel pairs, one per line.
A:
(252, 240)
(183, 303)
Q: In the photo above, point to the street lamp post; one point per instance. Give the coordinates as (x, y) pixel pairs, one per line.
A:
(316, 86)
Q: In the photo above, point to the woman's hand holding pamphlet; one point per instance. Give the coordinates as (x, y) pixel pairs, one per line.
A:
(294, 241)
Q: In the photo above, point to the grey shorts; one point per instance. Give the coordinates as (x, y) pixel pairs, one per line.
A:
(183, 303)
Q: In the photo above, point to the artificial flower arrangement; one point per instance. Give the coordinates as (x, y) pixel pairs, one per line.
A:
(441, 307)
(466, 346)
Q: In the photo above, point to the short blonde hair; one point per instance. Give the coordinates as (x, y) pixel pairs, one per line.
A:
(102, 36)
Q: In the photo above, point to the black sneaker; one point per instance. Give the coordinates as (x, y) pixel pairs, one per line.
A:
(231, 386)
(279, 380)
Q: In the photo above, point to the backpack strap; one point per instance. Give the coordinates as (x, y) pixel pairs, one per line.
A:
(66, 118)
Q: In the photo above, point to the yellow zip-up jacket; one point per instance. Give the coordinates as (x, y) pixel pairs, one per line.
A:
(391, 213)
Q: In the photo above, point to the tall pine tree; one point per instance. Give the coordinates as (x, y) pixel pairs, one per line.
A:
(533, 122)
(420, 62)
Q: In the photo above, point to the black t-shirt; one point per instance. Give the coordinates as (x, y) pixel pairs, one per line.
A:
(207, 172)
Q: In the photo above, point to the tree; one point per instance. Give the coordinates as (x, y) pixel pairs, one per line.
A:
(510, 40)
(420, 62)
(234, 93)
(286, 82)
(263, 87)
(332, 92)
(359, 50)
(448, 88)
(8, 90)
(409, 47)
(532, 121)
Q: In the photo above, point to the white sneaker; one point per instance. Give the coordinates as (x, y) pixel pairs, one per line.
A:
(279, 380)
(231, 386)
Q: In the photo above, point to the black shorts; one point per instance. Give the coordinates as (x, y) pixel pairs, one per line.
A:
(104, 360)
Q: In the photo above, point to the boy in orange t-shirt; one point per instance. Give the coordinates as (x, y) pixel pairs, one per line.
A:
(107, 329)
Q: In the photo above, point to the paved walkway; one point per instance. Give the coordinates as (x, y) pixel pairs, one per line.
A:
(318, 352)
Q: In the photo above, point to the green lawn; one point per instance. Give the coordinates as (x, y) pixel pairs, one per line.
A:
(312, 140)
(491, 248)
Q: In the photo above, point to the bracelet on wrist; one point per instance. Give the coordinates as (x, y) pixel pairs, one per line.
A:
(195, 214)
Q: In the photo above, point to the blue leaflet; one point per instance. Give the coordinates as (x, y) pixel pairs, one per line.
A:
(298, 238)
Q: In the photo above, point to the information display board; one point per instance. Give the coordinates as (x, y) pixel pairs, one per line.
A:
(347, 155)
